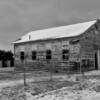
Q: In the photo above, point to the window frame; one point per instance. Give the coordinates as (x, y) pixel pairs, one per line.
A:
(22, 55)
(65, 54)
(48, 54)
(34, 55)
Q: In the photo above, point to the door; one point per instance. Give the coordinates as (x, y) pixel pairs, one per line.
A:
(96, 60)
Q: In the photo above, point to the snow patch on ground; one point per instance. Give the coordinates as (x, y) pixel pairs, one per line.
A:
(84, 89)
(67, 94)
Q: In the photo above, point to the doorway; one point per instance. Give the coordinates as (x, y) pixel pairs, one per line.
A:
(96, 60)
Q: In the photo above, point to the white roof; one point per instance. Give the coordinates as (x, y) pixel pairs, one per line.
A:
(57, 32)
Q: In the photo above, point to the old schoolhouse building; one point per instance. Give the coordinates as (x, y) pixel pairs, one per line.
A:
(62, 48)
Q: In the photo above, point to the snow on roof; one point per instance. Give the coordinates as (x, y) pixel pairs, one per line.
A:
(57, 32)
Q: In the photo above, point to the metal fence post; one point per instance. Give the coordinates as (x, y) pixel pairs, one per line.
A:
(24, 72)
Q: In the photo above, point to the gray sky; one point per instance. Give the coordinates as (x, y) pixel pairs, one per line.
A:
(17, 17)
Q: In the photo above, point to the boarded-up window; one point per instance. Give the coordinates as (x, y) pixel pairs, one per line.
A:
(22, 55)
(33, 55)
(65, 54)
(48, 54)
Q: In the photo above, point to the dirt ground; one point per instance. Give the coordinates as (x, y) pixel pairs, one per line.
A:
(40, 87)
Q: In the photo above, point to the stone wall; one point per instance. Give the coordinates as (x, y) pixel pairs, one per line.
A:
(56, 46)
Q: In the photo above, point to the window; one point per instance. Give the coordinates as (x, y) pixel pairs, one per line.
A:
(48, 54)
(33, 55)
(22, 55)
(65, 54)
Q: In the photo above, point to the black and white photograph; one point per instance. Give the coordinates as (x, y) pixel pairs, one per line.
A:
(49, 49)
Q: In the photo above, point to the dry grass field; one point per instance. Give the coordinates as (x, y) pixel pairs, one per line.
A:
(40, 87)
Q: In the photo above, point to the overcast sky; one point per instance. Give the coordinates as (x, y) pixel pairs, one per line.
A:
(17, 17)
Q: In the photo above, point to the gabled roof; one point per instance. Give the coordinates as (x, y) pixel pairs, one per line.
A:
(57, 32)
